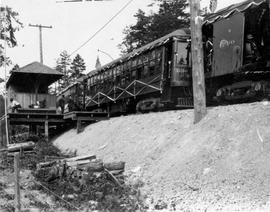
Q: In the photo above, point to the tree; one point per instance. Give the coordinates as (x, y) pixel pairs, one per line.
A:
(170, 16)
(77, 67)
(63, 66)
(15, 68)
(9, 24)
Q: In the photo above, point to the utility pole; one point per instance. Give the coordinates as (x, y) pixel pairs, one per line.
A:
(40, 38)
(199, 96)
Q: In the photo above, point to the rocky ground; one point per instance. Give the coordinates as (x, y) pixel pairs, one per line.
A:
(219, 164)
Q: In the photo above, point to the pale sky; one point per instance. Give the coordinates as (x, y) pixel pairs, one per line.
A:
(73, 24)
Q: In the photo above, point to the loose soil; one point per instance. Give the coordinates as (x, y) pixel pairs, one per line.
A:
(219, 164)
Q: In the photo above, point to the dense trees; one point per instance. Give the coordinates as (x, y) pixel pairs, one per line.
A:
(171, 15)
(71, 69)
(9, 24)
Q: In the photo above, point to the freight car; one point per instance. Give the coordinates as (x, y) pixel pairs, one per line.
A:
(237, 52)
(158, 75)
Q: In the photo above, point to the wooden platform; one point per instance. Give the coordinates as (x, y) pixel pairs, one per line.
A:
(46, 117)
(40, 117)
(37, 110)
(85, 116)
(32, 116)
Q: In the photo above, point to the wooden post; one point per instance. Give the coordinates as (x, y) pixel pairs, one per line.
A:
(17, 182)
(46, 130)
(8, 131)
(40, 39)
(79, 125)
(199, 96)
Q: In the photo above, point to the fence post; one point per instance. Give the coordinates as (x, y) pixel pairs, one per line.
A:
(17, 182)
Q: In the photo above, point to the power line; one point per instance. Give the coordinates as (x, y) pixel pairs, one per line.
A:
(111, 19)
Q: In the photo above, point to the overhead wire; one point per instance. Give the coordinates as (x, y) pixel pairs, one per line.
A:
(100, 29)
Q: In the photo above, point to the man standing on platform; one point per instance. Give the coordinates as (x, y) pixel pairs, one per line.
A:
(61, 103)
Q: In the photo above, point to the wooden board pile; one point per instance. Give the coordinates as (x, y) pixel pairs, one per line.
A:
(81, 167)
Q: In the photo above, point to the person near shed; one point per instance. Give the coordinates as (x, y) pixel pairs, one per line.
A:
(61, 103)
(14, 105)
(71, 104)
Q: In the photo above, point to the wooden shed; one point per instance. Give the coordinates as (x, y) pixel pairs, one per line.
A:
(30, 84)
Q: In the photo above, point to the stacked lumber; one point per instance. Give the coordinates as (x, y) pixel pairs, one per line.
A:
(80, 167)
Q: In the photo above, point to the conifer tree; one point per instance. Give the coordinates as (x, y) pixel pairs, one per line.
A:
(77, 68)
(63, 65)
(9, 24)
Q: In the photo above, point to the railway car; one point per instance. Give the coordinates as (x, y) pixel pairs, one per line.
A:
(153, 77)
(158, 75)
(237, 52)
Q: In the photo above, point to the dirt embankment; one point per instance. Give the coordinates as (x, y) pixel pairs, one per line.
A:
(220, 164)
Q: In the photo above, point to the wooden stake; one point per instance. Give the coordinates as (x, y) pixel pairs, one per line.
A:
(197, 62)
(46, 130)
(17, 182)
(79, 125)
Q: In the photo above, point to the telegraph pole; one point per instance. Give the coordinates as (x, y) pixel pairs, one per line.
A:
(40, 38)
(199, 96)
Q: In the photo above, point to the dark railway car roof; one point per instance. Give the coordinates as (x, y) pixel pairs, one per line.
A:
(34, 72)
(232, 9)
(67, 88)
(180, 33)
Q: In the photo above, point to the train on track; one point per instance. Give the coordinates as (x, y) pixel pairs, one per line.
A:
(157, 76)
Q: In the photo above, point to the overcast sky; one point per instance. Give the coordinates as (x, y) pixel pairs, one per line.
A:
(73, 24)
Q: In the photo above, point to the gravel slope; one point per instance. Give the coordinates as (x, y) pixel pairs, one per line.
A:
(219, 164)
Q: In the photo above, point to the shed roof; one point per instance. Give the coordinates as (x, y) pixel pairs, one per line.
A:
(232, 9)
(180, 33)
(34, 72)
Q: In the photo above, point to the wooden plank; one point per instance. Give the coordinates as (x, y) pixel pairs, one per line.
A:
(17, 182)
(197, 62)
(33, 120)
(46, 130)
(83, 157)
(17, 147)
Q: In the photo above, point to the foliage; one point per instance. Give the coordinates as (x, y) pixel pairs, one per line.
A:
(77, 67)
(170, 16)
(63, 65)
(9, 24)
(71, 70)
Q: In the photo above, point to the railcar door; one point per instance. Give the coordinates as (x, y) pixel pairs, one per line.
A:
(228, 45)
(180, 70)
(166, 72)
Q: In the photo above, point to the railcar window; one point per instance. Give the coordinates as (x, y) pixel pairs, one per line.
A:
(117, 80)
(139, 72)
(181, 53)
(123, 81)
(139, 62)
(133, 74)
(128, 76)
(145, 71)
